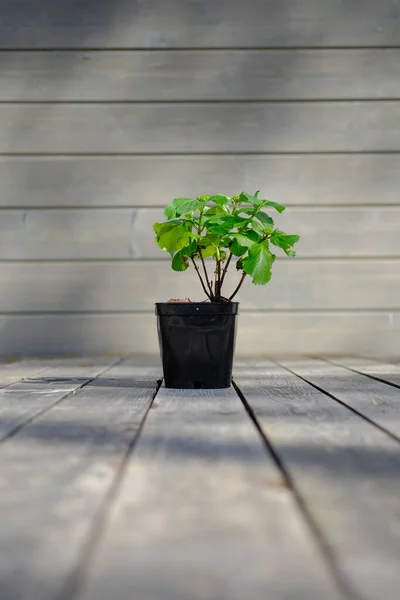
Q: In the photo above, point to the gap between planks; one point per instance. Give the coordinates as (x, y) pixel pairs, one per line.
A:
(57, 476)
(24, 401)
(199, 503)
(371, 399)
(345, 471)
(374, 369)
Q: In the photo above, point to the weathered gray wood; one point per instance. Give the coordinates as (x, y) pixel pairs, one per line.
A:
(200, 502)
(55, 476)
(201, 75)
(127, 286)
(21, 402)
(210, 23)
(375, 333)
(127, 233)
(383, 371)
(375, 400)
(16, 370)
(200, 127)
(346, 471)
(124, 181)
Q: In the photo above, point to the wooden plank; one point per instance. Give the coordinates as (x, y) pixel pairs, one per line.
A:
(383, 371)
(375, 333)
(201, 75)
(200, 127)
(129, 286)
(345, 470)
(22, 402)
(127, 233)
(56, 475)
(373, 399)
(14, 371)
(205, 499)
(124, 181)
(210, 23)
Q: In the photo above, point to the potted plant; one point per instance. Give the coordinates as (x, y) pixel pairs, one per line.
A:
(210, 234)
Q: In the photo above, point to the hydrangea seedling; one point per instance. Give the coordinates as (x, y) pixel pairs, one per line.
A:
(219, 229)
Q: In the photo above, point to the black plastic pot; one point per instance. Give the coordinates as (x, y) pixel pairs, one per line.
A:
(197, 343)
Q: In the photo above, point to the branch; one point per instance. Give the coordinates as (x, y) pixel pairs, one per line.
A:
(226, 268)
(201, 280)
(239, 286)
(205, 272)
(217, 286)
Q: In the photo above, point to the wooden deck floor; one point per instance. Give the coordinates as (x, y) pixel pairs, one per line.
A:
(285, 487)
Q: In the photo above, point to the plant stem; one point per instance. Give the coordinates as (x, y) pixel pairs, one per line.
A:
(201, 280)
(239, 286)
(217, 287)
(205, 272)
(226, 268)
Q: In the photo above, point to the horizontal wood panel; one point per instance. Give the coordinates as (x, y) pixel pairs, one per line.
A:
(155, 180)
(200, 75)
(209, 23)
(200, 127)
(370, 334)
(128, 233)
(75, 287)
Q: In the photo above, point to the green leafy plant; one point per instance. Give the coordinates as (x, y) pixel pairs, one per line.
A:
(222, 229)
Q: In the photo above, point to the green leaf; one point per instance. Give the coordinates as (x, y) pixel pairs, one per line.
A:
(220, 199)
(284, 241)
(249, 198)
(189, 250)
(210, 239)
(171, 237)
(180, 262)
(223, 224)
(183, 206)
(160, 228)
(170, 211)
(239, 264)
(237, 249)
(208, 245)
(257, 227)
(251, 235)
(246, 211)
(264, 218)
(258, 263)
(208, 251)
(279, 207)
(241, 243)
(216, 210)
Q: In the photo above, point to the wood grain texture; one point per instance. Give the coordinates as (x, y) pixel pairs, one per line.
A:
(373, 399)
(130, 286)
(127, 233)
(202, 127)
(205, 500)
(22, 402)
(210, 23)
(346, 471)
(14, 371)
(55, 477)
(383, 371)
(124, 181)
(200, 75)
(375, 333)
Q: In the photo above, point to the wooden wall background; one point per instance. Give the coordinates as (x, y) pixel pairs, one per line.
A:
(109, 109)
